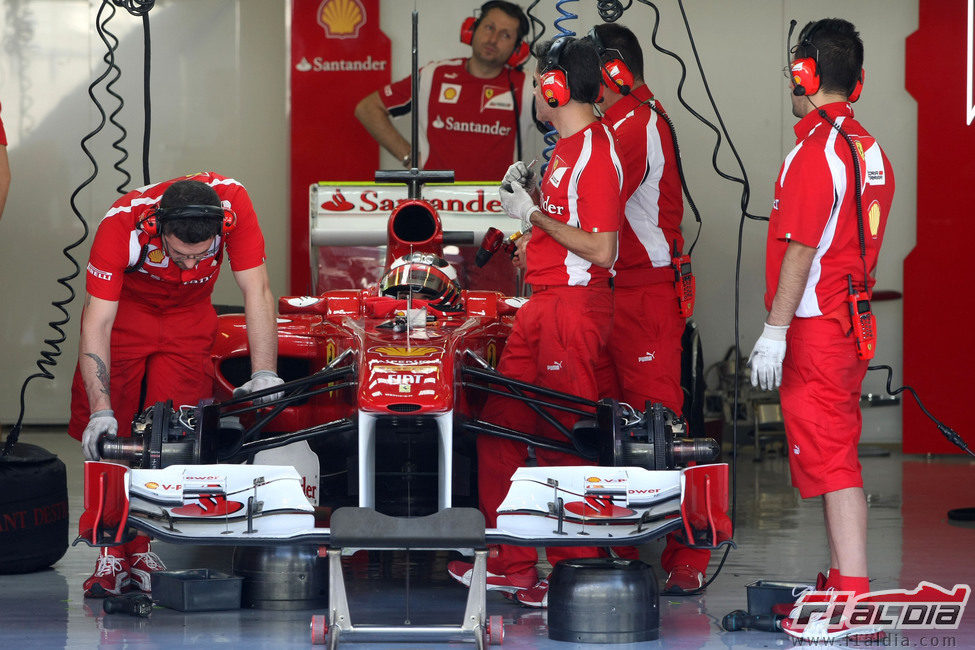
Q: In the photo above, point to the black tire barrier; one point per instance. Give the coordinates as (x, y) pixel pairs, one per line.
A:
(33, 509)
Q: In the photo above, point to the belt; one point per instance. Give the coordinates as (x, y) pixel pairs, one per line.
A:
(643, 277)
(593, 284)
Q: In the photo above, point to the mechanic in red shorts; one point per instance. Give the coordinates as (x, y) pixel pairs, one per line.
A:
(148, 318)
(814, 251)
(560, 333)
(645, 345)
(471, 109)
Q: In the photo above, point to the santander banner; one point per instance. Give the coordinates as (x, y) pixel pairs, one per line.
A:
(338, 56)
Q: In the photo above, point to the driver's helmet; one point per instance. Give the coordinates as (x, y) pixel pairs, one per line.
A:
(428, 277)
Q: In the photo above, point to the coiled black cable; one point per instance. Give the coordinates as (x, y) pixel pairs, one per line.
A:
(611, 10)
(110, 76)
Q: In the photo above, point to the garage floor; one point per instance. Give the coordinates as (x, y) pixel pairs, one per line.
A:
(779, 538)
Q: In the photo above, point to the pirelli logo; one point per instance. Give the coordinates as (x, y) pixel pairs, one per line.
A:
(98, 273)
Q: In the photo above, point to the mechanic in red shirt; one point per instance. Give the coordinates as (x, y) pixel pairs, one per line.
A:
(814, 251)
(560, 333)
(645, 345)
(4, 169)
(148, 318)
(471, 110)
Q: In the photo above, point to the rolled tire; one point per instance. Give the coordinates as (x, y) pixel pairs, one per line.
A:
(33, 509)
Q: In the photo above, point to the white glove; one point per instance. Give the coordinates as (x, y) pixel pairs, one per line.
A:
(100, 423)
(517, 173)
(518, 204)
(767, 355)
(261, 380)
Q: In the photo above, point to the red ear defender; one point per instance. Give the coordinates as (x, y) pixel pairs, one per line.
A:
(805, 77)
(229, 221)
(615, 73)
(555, 87)
(149, 224)
(467, 30)
(858, 86)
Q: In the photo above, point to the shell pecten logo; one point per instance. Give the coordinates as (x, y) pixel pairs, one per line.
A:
(152, 485)
(341, 18)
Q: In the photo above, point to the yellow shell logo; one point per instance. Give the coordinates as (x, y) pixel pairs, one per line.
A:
(492, 354)
(152, 485)
(156, 255)
(341, 18)
(873, 216)
(450, 93)
(593, 479)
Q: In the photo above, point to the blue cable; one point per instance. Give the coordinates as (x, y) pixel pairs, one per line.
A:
(551, 137)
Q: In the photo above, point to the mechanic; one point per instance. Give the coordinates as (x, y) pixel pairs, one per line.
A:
(4, 168)
(469, 108)
(645, 344)
(560, 333)
(820, 241)
(148, 318)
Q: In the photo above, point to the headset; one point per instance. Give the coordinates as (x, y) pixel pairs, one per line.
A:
(151, 222)
(519, 55)
(805, 72)
(615, 71)
(553, 80)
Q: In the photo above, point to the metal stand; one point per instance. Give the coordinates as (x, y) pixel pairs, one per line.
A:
(460, 529)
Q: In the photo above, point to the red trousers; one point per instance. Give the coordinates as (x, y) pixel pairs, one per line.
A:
(169, 348)
(645, 366)
(821, 382)
(556, 340)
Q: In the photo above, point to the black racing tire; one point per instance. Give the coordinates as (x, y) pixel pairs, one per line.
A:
(33, 509)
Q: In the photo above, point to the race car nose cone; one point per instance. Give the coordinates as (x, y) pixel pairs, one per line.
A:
(603, 600)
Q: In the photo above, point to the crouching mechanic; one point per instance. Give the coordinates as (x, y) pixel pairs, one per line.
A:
(558, 334)
(148, 321)
(645, 345)
(824, 236)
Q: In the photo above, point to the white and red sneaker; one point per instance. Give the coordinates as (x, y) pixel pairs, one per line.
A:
(819, 629)
(111, 574)
(143, 566)
(462, 571)
(683, 580)
(534, 596)
(786, 609)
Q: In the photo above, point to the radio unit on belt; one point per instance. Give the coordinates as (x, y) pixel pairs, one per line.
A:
(684, 283)
(864, 332)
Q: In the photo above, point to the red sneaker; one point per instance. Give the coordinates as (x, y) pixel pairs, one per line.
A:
(683, 580)
(785, 609)
(462, 571)
(143, 566)
(111, 574)
(535, 596)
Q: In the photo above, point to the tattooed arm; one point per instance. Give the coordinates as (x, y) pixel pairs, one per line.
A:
(94, 354)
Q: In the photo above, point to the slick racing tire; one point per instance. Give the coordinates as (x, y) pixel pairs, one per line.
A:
(33, 509)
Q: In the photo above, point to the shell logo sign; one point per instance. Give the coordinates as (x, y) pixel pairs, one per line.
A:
(341, 18)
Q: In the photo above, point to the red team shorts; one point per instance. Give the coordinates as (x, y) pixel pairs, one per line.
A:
(821, 381)
(170, 348)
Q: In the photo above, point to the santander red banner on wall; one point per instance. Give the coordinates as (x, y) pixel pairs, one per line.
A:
(338, 56)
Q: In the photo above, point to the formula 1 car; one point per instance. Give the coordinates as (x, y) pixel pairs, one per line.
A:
(387, 385)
